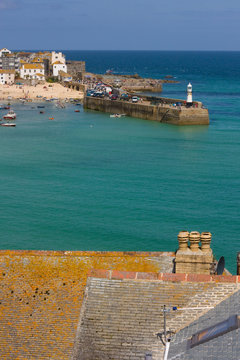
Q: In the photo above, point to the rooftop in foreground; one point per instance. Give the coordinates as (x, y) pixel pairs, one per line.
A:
(104, 305)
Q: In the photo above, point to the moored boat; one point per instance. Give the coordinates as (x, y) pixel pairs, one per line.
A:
(117, 115)
(10, 115)
(8, 124)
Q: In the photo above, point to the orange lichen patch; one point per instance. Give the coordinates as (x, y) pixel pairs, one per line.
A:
(41, 295)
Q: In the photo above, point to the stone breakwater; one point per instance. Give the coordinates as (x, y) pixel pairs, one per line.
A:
(164, 112)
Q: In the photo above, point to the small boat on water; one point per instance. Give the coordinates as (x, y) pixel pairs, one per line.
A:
(41, 107)
(41, 112)
(51, 118)
(8, 124)
(60, 105)
(77, 110)
(117, 115)
(6, 107)
(10, 115)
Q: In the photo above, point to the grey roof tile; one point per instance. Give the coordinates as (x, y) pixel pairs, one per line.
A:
(225, 347)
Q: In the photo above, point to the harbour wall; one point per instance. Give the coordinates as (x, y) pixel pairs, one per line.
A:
(164, 113)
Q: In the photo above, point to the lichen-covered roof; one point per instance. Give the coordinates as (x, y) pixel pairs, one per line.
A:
(41, 295)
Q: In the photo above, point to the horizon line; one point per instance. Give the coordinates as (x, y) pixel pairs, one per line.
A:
(58, 49)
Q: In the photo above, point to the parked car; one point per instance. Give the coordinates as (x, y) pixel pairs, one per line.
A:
(135, 99)
(113, 97)
(124, 97)
(99, 94)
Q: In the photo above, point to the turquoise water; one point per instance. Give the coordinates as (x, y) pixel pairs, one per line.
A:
(90, 182)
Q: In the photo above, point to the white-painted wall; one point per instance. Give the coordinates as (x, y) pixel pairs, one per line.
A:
(7, 78)
(58, 57)
(4, 51)
(26, 73)
(58, 67)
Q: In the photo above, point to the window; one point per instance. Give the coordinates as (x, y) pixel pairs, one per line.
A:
(214, 331)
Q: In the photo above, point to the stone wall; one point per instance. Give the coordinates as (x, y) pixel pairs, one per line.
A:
(165, 114)
(76, 69)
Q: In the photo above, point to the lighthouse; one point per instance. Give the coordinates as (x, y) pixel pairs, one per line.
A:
(189, 94)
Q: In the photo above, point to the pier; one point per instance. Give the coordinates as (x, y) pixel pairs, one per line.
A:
(170, 111)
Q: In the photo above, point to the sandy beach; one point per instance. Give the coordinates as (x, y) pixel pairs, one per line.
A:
(45, 90)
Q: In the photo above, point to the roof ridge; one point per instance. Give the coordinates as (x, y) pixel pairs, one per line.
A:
(84, 252)
(135, 275)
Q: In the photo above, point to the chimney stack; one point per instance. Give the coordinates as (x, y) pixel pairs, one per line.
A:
(194, 259)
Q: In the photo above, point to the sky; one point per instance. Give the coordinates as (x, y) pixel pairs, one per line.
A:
(120, 24)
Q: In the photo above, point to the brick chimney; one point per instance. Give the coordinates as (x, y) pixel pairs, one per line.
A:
(196, 258)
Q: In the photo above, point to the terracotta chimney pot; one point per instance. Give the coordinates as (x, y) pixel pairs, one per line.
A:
(206, 238)
(183, 238)
(194, 238)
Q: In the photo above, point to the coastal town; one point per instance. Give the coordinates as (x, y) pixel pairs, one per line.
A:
(40, 75)
(48, 76)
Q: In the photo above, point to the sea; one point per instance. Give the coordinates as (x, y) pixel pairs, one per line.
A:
(85, 181)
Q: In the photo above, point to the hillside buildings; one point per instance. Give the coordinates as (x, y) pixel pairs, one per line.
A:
(32, 71)
(7, 77)
(4, 52)
(8, 60)
(33, 66)
(58, 66)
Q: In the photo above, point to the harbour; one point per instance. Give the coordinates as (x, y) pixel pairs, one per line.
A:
(165, 110)
(122, 182)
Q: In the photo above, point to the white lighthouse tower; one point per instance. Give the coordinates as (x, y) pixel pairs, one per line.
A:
(189, 94)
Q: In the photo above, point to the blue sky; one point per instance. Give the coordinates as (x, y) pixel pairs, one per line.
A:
(123, 25)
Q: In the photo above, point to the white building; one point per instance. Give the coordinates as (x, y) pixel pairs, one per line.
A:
(4, 52)
(58, 57)
(7, 77)
(32, 71)
(59, 66)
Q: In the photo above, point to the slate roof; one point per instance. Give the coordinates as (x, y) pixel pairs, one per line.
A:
(225, 347)
(120, 319)
(42, 311)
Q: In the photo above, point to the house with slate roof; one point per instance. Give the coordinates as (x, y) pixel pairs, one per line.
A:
(109, 305)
